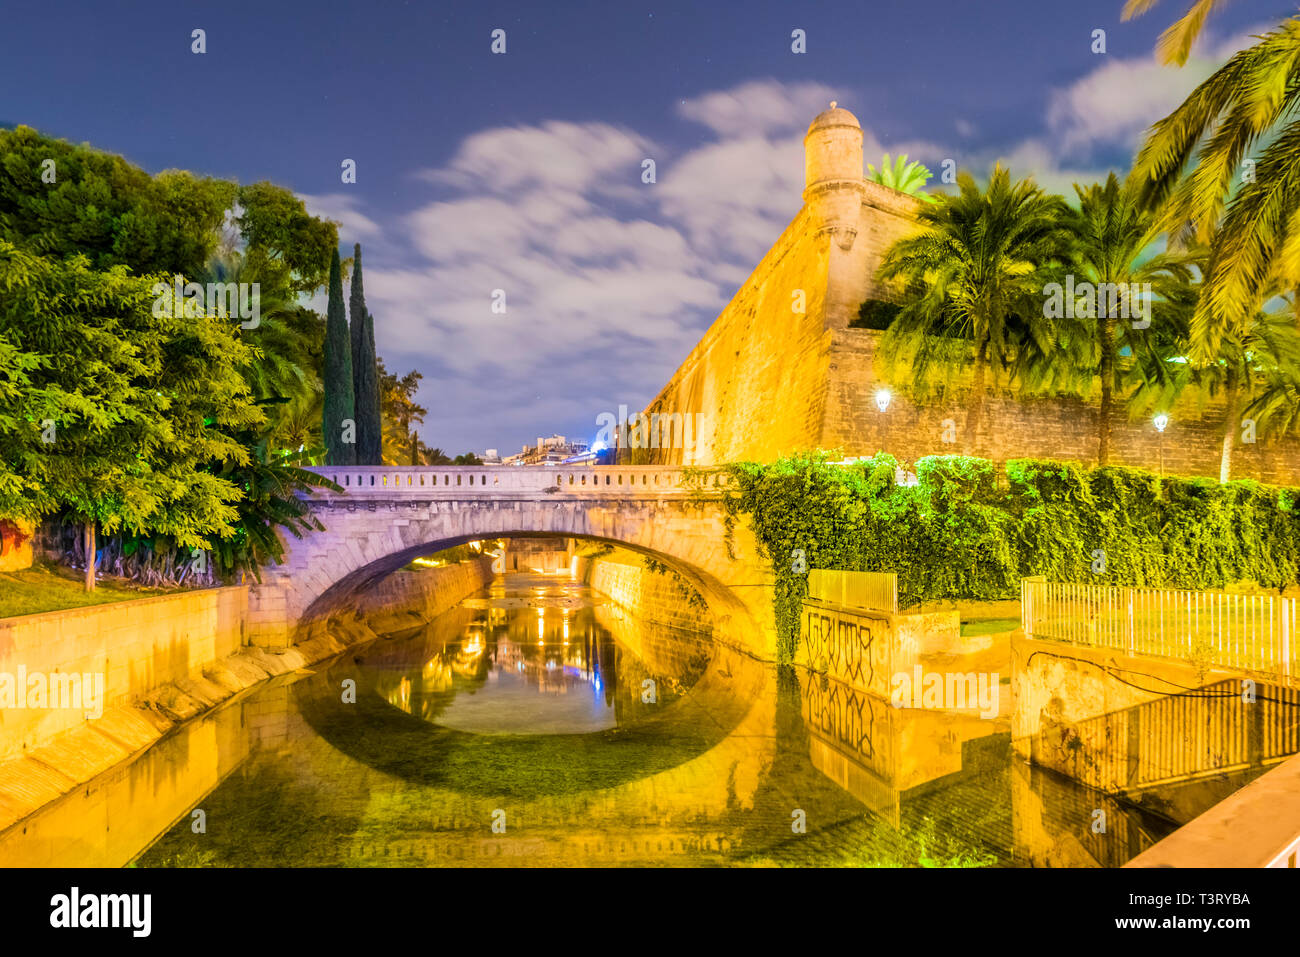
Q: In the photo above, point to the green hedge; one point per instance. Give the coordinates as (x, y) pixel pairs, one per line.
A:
(971, 530)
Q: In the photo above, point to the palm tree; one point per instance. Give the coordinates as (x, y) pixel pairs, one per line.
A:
(1112, 234)
(901, 175)
(286, 343)
(1248, 207)
(1256, 372)
(1175, 44)
(973, 278)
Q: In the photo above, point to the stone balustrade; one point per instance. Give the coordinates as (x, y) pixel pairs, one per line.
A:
(512, 481)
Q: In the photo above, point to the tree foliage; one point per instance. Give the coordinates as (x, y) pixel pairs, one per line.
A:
(973, 277)
(971, 530)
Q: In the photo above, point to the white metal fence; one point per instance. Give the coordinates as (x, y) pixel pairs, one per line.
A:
(1230, 630)
(874, 590)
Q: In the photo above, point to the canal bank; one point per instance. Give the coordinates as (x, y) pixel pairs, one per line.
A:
(161, 662)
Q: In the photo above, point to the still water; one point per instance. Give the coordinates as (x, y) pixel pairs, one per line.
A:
(538, 724)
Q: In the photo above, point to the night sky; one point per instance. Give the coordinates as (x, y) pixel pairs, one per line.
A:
(522, 171)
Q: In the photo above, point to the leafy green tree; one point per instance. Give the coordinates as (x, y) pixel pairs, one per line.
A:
(128, 406)
(339, 410)
(1112, 235)
(365, 372)
(901, 175)
(61, 200)
(1255, 373)
(401, 444)
(287, 347)
(467, 458)
(283, 237)
(973, 277)
(1196, 165)
(271, 484)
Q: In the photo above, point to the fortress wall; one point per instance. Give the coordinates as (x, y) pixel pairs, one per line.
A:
(771, 382)
(1050, 427)
(757, 376)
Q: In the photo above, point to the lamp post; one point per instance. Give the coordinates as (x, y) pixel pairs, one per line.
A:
(1161, 421)
(882, 403)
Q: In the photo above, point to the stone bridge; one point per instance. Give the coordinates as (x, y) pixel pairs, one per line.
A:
(386, 516)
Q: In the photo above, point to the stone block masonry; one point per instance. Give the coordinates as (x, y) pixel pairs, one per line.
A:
(653, 596)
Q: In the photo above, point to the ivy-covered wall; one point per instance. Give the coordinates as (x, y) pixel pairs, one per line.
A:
(970, 529)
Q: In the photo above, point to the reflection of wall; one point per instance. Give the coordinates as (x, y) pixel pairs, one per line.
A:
(1057, 824)
(877, 752)
(108, 822)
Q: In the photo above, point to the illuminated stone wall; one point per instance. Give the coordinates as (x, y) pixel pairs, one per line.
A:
(653, 597)
(769, 380)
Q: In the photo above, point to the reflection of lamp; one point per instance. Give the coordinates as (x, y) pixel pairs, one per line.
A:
(1160, 422)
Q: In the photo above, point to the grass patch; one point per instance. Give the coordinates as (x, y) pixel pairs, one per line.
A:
(988, 626)
(49, 587)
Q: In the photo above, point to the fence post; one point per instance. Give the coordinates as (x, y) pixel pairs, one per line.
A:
(1287, 605)
(1131, 638)
(1024, 606)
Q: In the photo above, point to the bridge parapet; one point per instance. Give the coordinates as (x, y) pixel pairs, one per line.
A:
(513, 481)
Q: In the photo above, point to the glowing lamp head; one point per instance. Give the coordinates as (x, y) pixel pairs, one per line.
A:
(1160, 422)
(882, 399)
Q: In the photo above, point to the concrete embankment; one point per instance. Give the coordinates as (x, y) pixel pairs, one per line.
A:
(159, 662)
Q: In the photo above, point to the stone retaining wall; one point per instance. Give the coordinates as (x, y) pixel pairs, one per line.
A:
(653, 597)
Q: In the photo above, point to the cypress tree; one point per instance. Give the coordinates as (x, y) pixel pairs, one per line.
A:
(365, 372)
(339, 404)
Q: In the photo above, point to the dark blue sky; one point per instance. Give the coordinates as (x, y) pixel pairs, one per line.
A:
(521, 172)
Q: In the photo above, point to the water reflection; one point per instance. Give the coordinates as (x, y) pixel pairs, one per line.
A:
(550, 671)
(595, 739)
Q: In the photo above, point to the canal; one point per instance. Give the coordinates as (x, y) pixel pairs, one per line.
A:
(538, 723)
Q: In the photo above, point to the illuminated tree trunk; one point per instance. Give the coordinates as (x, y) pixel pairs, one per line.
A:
(1107, 330)
(1231, 415)
(90, 556)
(976, 411)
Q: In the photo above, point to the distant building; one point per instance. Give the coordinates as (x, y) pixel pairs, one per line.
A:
(490, 457)
(555, 450)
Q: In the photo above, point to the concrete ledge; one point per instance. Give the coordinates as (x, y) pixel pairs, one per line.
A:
(1259, 826)
(60, 762)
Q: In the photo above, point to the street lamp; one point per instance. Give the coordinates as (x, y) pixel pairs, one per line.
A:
(882, 403)
(1161, 421)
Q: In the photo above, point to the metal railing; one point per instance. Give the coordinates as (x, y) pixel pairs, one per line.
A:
(1225, 629)
(875, 590)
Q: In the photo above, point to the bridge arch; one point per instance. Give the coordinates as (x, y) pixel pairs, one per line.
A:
(385, 517)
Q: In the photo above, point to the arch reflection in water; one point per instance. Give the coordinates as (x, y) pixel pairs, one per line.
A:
(470, 716)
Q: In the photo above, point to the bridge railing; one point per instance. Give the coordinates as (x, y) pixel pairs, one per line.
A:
(1227, 629)
(487, 480)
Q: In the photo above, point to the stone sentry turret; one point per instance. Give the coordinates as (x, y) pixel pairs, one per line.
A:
(833, 190)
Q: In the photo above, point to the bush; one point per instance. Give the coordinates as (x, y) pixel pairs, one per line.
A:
(969, 530)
